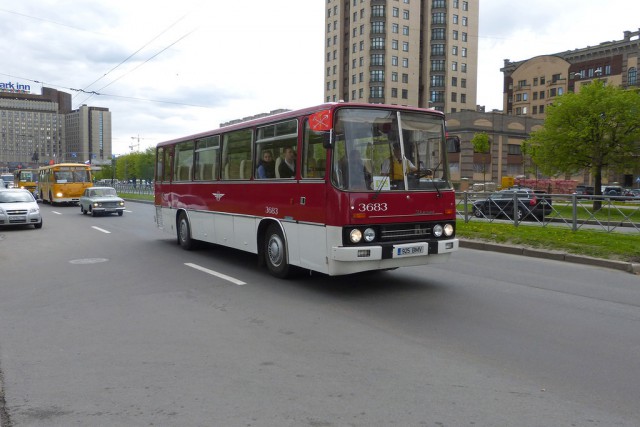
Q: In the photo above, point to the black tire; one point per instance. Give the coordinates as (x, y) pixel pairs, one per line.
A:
(82, 210)
(39, 225)
(520, 214)
(275, 252)
(477, 213)
(184, 233)
(120, 213)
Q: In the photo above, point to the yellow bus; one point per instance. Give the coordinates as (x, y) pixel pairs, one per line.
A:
(27, 179)
(63, 182)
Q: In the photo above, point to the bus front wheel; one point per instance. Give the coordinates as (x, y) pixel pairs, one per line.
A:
(275, 252)
(184, 233)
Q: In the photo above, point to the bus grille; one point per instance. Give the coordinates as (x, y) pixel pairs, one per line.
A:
(400, 232)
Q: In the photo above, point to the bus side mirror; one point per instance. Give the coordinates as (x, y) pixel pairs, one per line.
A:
(453, 144)
(328, 139)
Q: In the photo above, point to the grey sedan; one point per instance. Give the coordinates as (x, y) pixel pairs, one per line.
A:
(101, 200)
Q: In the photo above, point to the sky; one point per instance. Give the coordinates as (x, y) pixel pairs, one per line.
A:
(170, 69)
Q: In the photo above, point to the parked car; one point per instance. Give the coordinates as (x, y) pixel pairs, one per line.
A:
(632, 193)
(530, 204)
(18, 206)
(583, 191)
(612, 190)
(101, 200)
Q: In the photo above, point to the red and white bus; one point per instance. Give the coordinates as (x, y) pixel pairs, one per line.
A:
(370, 190)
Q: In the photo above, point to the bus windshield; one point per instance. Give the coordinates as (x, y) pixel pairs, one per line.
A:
(28, 176)
(389, 150)
(72, 175)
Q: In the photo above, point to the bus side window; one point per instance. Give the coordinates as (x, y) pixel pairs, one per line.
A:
(183, 161)
(236, 148)
(207, 159)
(276, 138)
(314, 153)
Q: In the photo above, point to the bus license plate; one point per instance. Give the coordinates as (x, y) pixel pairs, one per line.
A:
(406, 251)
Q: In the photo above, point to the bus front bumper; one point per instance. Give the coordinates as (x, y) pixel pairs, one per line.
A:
(417, 252)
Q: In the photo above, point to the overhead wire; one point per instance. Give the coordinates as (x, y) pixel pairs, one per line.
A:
(92, 93)
(133, 54)
(53, 85)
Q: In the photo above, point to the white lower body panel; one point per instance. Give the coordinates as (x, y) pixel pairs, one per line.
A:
(311, 246)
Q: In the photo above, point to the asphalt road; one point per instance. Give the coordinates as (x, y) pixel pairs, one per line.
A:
(107, 322)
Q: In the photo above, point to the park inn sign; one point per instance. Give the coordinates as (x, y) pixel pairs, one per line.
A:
(15, 87)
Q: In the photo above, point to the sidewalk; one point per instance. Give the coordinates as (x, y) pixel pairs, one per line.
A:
(629, 267)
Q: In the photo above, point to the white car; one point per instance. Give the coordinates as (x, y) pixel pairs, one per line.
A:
(19, 207)
(101, 200)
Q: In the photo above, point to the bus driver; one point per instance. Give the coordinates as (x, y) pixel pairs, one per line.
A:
(392, 166)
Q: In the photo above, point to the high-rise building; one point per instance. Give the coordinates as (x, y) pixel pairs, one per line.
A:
(37, 129)
(532, 84)
(31, 126)
(422, 53)
(88, 136)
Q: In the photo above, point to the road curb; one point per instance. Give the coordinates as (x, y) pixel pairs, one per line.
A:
(633, 268)
(629, 267)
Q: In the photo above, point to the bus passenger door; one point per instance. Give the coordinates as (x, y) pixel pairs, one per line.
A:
(310, 233)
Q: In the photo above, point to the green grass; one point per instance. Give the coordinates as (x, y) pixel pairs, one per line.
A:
(593, 243)
(132, 196)
(607, 213)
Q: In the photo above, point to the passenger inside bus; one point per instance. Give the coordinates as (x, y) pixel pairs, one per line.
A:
(287, 167)
(266, 166)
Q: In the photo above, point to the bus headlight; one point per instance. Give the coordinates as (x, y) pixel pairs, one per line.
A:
(59, 194)
(437, 230)
(369, 235)
(448, 230)
(355, 236)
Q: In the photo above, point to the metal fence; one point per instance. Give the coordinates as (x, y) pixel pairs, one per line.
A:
(146, 189)
(565, 210)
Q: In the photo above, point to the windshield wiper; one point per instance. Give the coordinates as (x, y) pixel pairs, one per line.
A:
(434, 177)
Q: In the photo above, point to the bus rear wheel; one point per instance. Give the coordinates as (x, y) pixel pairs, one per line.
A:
(184, 233)
(275, 252)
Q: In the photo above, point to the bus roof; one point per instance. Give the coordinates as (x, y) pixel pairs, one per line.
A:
(295, 113)
(64, 164)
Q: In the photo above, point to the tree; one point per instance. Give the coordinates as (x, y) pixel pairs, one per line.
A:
(482, 144)
(136, 165)
(594, 129)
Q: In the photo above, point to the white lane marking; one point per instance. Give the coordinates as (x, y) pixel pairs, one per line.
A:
(101, 229)
(128, 211)
(57, 213)
(215, 273)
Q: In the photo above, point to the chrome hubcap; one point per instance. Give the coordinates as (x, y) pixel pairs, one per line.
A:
(274, 250)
